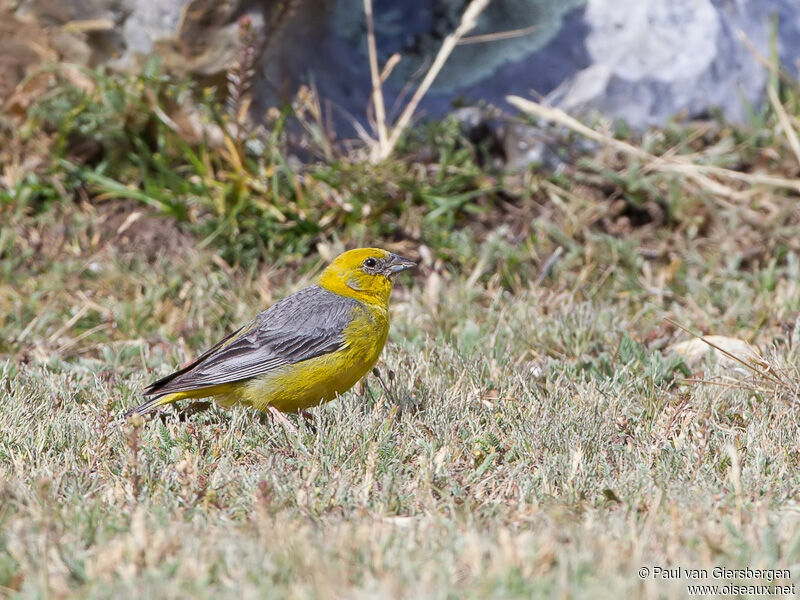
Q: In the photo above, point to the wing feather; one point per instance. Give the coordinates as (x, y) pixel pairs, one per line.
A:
(302, 326)
(153, 387)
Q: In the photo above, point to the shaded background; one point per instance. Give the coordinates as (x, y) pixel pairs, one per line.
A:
(642, 60)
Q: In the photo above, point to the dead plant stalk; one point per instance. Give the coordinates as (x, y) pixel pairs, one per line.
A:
(382, 149)
(664, 164)
(377, 90)
(783, 119)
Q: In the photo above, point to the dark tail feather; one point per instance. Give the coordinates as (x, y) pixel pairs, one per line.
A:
(146, 407)
(160, 390)
(157, 387)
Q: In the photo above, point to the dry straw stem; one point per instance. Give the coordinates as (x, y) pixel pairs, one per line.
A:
(761, 367)
(675, 165)
(382, 150)
(770, 65)
(377, 92)
(500, 35)
(783, 119)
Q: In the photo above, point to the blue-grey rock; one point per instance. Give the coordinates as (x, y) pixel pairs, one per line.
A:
(327, 48)
(146, 24)
(654, 59)
(644, 61)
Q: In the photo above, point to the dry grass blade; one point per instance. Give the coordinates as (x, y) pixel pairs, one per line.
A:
(468, 22)
(674, 164)
(500, 35)
(771, 66)
(738, 385)
(88, 26)
(783, 119)
(375, 75)
(64, 328)
(393, 61)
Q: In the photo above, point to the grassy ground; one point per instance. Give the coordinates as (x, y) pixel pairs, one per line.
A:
(536, 437)
(538, 442)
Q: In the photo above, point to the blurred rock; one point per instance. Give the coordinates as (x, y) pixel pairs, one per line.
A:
(327, 46)
(654, 59)
(517, 145)
(22, 48)
(148, 23)
(641, 60)
(644, 61)
(193, 36)
(528, 145)
(722, 349)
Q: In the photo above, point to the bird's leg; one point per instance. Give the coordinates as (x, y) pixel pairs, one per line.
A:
(281, 418)
(308, 417)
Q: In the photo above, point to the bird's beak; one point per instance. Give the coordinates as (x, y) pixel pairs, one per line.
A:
(395, 264)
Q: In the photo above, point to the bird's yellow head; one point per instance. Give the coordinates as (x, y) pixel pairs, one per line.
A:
(365, 274)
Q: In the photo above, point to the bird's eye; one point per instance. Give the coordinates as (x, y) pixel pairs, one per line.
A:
(370, 262)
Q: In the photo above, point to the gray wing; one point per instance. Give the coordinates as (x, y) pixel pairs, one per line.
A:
(306, 324)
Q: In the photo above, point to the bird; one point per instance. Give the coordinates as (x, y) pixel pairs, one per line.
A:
(305, 350)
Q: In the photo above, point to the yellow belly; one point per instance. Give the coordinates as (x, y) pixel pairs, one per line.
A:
(301, 385)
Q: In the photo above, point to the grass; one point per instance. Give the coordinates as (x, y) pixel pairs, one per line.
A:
(176, 148)
(534, 443)
(533, 435)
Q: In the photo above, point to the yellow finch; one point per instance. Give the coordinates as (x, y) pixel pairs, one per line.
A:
(306, 349)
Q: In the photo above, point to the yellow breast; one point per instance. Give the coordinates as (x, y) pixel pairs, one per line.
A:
(302, 385)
